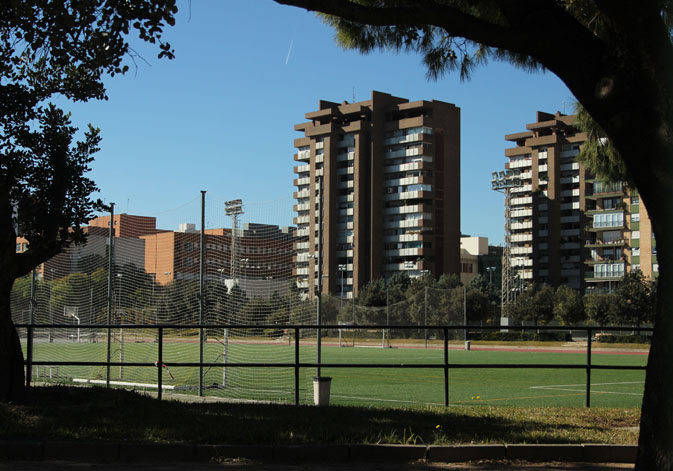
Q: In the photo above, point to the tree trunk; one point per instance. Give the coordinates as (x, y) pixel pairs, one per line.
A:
(12, 379)
(655, 444)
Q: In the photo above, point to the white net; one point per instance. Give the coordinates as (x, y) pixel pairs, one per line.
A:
(153, 276)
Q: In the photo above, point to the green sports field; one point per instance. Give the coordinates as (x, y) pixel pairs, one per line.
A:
(355, 386)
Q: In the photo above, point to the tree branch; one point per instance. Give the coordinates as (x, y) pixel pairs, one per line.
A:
(423, 13)
(541, 30)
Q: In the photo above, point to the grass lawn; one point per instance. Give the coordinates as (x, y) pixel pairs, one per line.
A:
(377, 387)
(71, 413)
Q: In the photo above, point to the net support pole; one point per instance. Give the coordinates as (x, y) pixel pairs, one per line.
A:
(202, 253)
(320, 268)
(110, 270)
(160, 362)
(29, 333)
(446, 367)
(588, 392)
(296, 366)
(425, 317)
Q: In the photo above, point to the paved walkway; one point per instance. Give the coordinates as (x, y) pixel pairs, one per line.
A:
(250, 466)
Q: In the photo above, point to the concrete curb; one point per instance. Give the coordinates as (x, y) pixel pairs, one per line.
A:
(141, 452)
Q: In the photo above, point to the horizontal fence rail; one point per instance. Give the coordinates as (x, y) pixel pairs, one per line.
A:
(298, 365)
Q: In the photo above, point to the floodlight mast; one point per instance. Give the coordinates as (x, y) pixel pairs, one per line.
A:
(504, 181)
(234, 208)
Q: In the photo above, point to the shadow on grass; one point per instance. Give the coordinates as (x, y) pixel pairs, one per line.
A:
(68, 413)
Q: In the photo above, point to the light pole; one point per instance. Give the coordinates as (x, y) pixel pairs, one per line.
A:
(342, 268)
(504, 181)
(51, 312)
(490, 271)
(234, 208)
(121, 331)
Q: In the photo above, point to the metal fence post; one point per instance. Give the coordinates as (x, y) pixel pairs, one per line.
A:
(446, 366)
(588, 398)
(296, 366)
(29, 332)
(109, 292)
(29, 355)
(160, 362)
(201, 288)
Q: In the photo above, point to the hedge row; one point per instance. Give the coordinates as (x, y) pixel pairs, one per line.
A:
(610, 338)
(514, 336)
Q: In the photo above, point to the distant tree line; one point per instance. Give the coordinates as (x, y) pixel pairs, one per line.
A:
(631, 303)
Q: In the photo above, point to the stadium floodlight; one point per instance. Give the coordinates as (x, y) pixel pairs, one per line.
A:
(234, 208)
(342, 269)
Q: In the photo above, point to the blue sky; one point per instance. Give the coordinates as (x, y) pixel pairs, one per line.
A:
(220, 116)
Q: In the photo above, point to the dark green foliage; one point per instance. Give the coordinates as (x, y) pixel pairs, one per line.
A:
(58, 48)
(568, 307)
(491, 290)
(601, 308)
(518, 336)
(535, 304)
(598, 155)
(636, 300)
(611, 338)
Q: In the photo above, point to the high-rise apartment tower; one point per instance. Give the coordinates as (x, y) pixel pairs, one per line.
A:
(388, 174)
(563, 225)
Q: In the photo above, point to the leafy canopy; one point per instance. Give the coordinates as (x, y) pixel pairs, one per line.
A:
(58, 48)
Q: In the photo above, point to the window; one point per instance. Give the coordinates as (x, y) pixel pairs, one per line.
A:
(609, 219)
(635, 200)
(466, 267)
(635, 235)
(635, 251)
(635, 217)
(609, 270)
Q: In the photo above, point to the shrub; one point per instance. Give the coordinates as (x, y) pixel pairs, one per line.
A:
(518, 336)
(611, 338)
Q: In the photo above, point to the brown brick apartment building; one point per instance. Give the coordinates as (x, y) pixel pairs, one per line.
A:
(566, 226)
(388, 172)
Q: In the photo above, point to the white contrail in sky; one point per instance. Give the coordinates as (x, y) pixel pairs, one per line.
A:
(289, 51)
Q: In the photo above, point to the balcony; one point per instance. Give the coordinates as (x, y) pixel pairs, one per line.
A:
(521, 262)
(403, 238)
(415, 252)
(407, 195)
(520, 213)
(603, 190)
(521, 201)
(521, 237)
(522, 189)
(570, 166)
(520, 163)
(521, 225)
(599, 259)
(600, 243)
(404, 209)
(403, 153)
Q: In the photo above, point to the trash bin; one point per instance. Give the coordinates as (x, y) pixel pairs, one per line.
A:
(321, 389)
(467, 345)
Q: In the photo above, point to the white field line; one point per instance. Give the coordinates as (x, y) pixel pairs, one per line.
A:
(565, 387)
(122, 383)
